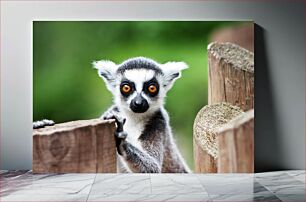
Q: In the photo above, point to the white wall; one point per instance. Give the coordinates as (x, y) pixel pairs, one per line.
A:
(279, 61)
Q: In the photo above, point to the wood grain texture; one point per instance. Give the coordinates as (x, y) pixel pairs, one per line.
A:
(204, 162)
(223, 142)
(231, 75)
(86, 146)
(236, 145)
(207, 122)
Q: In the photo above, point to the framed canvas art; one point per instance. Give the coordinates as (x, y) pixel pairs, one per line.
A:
(143, 96)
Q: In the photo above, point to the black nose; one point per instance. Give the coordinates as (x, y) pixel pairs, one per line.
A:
(139, 101)
(139, 104)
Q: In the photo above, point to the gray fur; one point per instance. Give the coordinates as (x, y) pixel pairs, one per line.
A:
(139, 63)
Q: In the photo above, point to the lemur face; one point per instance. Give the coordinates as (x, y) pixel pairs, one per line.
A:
(139, 84)
(139, 90)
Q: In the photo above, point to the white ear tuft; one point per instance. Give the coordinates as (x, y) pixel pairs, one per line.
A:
(107, 71)
(175, 66)
(172, 71)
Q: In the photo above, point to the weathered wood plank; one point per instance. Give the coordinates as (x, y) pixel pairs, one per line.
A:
(224, 140)
(78, 146)
(204, 162)
(231, 75)
(235, 142)
(207, 122)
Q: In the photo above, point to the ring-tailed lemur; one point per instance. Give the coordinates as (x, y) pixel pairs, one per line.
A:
(144, 138)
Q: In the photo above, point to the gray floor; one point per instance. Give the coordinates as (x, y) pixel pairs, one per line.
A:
(273, 186)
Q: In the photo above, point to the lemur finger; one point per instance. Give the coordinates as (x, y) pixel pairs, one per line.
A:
(43, 123)
(119, 122)
(108, 116)
(121, 135)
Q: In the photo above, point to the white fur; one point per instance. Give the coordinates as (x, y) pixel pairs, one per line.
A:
(124, 165)
(134, 127)
(171, 68)
(139, 76)
(108, 68)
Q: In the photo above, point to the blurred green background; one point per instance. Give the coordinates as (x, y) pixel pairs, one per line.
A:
(66, 87)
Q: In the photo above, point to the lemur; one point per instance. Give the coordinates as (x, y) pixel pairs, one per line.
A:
(144, 139)
(143, 136)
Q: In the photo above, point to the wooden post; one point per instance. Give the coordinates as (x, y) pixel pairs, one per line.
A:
(204, 162)
(86, 146)
(223, 142)
(207, 122)
(231, 75)
(235, 144)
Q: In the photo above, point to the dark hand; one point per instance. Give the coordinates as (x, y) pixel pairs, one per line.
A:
(120, 135)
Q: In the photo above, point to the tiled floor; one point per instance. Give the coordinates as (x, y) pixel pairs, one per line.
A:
(272, 186)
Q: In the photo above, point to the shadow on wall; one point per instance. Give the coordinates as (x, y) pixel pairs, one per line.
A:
(266, 129)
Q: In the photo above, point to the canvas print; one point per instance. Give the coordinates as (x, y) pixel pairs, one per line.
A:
(143, 96)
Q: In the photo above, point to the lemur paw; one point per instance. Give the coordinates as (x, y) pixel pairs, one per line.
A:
(43, 123)
(107, 115)
(120, 135)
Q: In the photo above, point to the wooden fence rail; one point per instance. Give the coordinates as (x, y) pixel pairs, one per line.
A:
(86, 146)
(235, 145)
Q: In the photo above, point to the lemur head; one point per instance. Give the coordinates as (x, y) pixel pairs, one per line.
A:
(139, 84)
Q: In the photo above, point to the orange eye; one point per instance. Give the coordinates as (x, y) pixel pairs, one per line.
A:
(126, 88)
(152, 89)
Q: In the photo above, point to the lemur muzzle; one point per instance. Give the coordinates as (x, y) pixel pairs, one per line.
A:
(139, 104)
